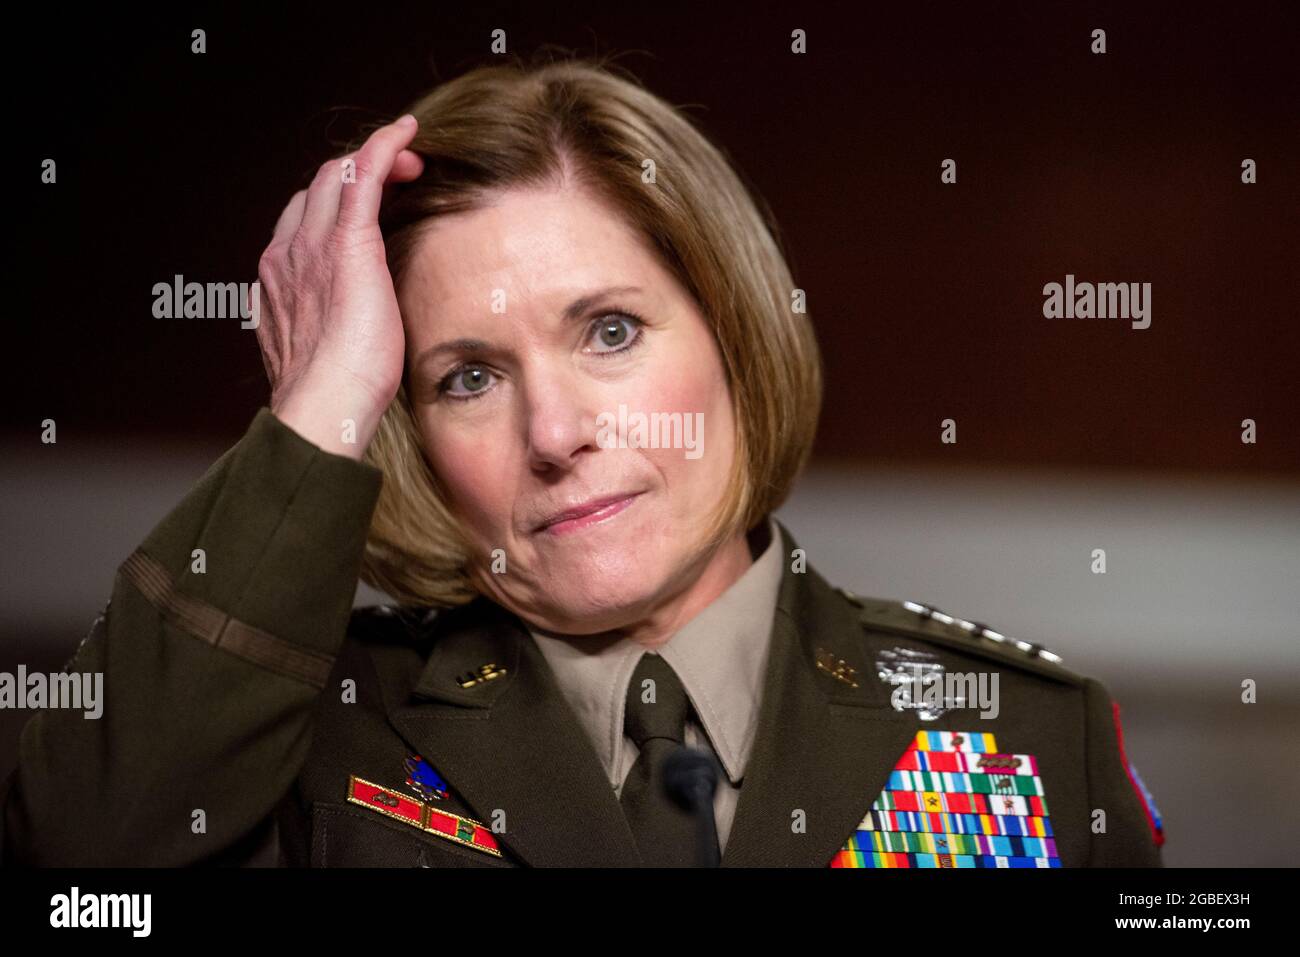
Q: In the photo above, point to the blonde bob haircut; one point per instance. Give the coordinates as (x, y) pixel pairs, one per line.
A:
(528, 125)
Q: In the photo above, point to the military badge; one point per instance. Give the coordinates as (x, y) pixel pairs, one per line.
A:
(425, 817)
(954, 800)
(423, 779)
(906, 670)
(836, 667)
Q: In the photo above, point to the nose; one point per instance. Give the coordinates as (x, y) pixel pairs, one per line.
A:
(561, 420)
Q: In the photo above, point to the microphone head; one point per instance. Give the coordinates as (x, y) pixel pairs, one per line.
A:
(691, 776)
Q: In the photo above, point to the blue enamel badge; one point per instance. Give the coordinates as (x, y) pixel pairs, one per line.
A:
(423, 779)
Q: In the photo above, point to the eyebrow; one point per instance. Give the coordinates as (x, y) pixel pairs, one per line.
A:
(572, 312)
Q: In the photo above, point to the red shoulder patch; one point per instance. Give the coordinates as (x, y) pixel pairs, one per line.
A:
(1139, 788)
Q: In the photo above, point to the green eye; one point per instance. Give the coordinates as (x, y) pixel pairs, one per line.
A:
(613, 333)
(466, 382)
(473, 379)
(617, 333)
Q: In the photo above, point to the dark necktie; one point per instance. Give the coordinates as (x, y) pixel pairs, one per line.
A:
(664, 830)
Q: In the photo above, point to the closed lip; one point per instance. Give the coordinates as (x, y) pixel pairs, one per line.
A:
(589, 507)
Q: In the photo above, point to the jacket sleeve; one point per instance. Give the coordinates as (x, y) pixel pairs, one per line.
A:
(1132, 836)
(212, 664)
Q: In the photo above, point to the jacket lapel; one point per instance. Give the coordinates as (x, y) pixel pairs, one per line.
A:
(822, 746)
(512, 744)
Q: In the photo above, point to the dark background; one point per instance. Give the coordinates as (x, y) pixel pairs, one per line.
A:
(926, 299)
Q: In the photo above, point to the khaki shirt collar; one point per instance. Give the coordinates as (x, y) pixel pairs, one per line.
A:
(720, 656)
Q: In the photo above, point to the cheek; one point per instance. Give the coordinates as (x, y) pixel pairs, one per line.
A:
(479, 489)
(692, 383)
(688, 377)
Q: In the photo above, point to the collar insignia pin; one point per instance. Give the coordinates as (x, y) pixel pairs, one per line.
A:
(485, 673)
(836, 667)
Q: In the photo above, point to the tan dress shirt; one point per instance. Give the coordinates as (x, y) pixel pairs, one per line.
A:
(720, 656)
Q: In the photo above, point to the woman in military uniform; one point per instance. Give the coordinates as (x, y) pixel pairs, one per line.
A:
(540, 372)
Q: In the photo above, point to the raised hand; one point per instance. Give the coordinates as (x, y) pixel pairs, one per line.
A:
(331, 332)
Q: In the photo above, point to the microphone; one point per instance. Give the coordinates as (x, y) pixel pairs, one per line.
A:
(690, 777)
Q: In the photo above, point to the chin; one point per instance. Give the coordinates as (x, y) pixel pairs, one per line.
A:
(585, 599)
(594, 603)
(602, 578)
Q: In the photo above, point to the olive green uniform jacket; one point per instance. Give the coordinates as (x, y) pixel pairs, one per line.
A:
(251, 716)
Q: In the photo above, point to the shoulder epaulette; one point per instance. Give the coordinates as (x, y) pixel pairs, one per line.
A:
(931, 624)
